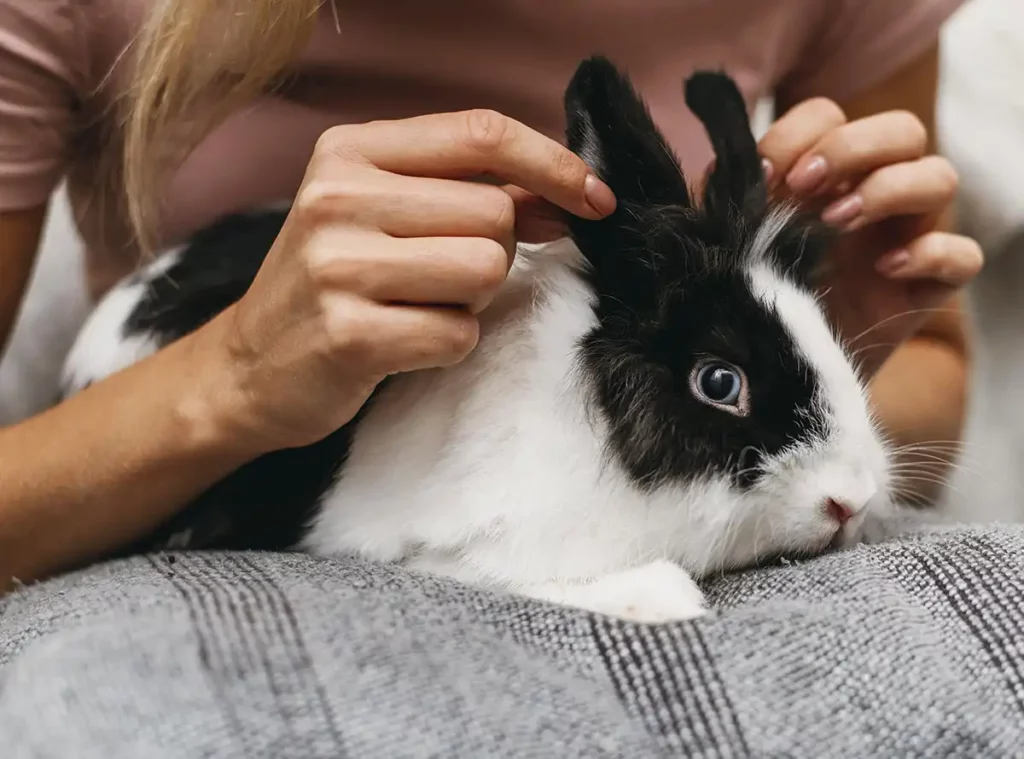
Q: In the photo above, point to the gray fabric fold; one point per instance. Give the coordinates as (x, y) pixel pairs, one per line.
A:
(912, 647)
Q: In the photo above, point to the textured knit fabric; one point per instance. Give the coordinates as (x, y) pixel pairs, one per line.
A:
(914, 647)
(63, 66)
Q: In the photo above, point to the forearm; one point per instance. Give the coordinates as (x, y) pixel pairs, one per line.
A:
(116, 460)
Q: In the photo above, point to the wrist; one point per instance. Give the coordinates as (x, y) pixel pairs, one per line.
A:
(214, 405)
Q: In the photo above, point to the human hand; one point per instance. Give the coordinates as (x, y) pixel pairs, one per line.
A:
(871, 179)
(384, 260)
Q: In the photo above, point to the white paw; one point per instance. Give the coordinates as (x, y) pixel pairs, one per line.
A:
(661, 591)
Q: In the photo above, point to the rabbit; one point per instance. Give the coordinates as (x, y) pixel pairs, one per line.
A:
(656, 397)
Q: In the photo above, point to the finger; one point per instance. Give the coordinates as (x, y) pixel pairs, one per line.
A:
(397, 338)
(858, 148)
(418, 207)
(409, 206)
(450, 271)
(797, 131)
(456, 145)
(943, 257)
(925, 186)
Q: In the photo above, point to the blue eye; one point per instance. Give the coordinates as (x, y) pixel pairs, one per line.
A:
(719, 384)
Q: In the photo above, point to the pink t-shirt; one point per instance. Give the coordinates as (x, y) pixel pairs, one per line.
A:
(405, 57)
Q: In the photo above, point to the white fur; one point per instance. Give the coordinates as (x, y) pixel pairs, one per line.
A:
(765, 236)
(100, 348)
(496, 472)
(851, 465)
(661, 591)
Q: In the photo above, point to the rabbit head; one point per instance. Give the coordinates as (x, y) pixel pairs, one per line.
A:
(711, 362)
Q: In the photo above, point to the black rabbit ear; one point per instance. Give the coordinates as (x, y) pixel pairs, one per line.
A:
(609, 126)
(736, 185)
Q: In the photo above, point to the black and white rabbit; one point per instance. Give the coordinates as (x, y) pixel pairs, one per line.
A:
(655, 398)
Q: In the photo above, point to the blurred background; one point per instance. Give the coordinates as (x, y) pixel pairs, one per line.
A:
(981, 129)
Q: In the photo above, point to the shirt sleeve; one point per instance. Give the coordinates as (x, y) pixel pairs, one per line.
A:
(42, 70)
(855, 44)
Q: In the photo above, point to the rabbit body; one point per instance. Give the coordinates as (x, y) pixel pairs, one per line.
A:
(656, 397)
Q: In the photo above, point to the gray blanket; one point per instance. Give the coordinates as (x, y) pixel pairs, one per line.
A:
(910, 648)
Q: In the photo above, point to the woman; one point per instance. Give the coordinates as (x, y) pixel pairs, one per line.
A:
(384, 212)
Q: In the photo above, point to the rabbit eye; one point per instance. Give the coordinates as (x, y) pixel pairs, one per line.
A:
(721, 385)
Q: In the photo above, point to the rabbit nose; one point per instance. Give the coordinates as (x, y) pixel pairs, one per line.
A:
(838, 510)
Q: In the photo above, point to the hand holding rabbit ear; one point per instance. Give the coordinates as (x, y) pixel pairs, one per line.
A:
(873, 180)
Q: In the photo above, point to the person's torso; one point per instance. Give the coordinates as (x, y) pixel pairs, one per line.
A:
(406, 57)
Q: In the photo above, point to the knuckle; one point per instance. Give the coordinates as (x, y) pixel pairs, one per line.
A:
(490, 265)
(326, 141)
(569, 166)
(347, 327)
(827, 110)
(341, 273)
(977, 263)
(319, 270)
(843, 147)
(486, 130)
(938, 254)
(935, 249)
(912, 127)
(947, 179)
(321, 199)
(334, 141)
(461, 334)
(501, 212)
(974, 257)
(952, 258)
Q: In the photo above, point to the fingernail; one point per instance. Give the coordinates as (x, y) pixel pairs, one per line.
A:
(807, 174)
(599, 196)
(892, 263)
(843, 211)
(768, 169)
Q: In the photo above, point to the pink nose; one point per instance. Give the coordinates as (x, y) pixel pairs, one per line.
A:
(838, 511)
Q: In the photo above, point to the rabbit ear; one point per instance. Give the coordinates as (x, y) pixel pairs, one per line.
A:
(609, 126)
(736, 185)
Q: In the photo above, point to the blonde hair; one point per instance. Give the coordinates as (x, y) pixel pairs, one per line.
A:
(195, 61)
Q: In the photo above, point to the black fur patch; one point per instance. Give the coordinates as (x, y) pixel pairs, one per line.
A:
(671, 284)
(214, 270)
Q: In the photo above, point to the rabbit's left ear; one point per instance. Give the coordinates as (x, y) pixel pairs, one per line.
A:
(609, 126)
(736, 194)
(736, 186)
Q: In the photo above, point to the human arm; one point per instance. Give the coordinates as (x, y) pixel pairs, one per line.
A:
(380, 268)
(100, 469)
(76, 479)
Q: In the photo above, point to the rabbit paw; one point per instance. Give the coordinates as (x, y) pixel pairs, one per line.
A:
(661, 591)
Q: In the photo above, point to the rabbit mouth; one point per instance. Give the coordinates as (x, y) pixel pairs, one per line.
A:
(846, 535)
